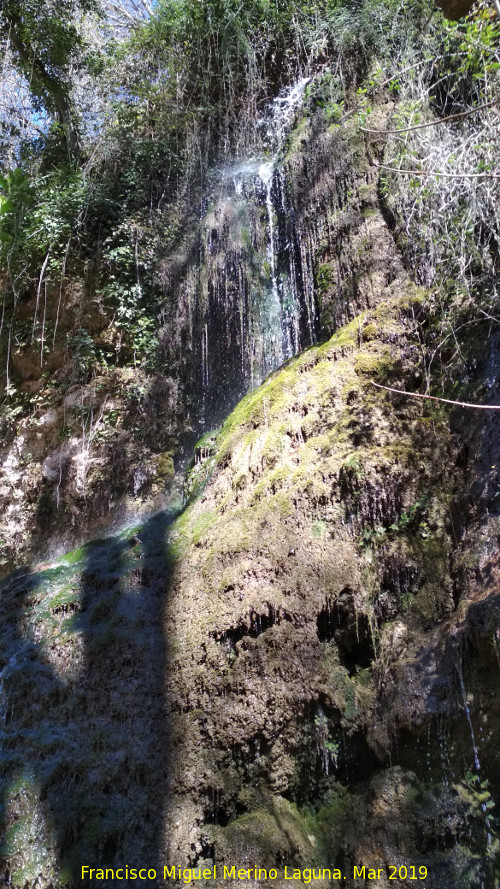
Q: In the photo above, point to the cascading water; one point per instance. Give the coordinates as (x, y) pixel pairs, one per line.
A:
(284, 306)
(277, 121)
(275, 311)
(255, 291)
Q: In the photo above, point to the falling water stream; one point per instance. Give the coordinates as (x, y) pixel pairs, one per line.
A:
(256, 293)
(275, 317)
(477, 764)
(284, 308)
(283, 318)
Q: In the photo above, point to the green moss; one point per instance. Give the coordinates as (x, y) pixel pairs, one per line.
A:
(296, 138)
(189, 529)
(75, 556)
(366, 192)
(53, 601)
(249, 411)
(374, 363)
(197, 476)
(350, 708)
(25, 841)
(278, 831)
(201, 525)
(324, 278)
(414, 296)
(352, 463)
(208, 440)
(240, 481)
(282, 504)
(271, 482)
(319, 529)
(236, 534)
(165, 468)
(364, 678)
(278, 396)
(370, 332)
(273, 446)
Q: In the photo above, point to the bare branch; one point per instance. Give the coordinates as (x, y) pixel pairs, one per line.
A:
(433, 123)
(489, 317)
(438, 173)
(479, 407)
(416, 65)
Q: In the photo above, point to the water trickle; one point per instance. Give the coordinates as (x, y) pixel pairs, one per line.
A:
(443, 755)
(477, 763)
(204, 365)
(428, 754)
(3, 699)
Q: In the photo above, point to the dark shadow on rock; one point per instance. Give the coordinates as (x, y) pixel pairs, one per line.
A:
(84, 729)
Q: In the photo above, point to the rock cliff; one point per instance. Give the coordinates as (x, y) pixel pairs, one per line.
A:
(291, 657)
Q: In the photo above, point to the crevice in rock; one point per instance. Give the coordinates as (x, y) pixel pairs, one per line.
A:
(207, 852)
(339, 621)
(217, 811)
(255, 624)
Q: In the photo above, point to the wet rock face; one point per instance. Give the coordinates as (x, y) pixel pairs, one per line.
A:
(242, 300)
(302, 667)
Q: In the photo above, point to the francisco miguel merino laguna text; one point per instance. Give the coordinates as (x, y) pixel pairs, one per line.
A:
(306, 875)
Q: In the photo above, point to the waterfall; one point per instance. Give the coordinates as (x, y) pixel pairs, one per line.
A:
(280, 114)
(254, 286)
(284, 305)
(275, 319)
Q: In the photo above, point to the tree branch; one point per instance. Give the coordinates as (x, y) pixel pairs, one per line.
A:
(418, 64)
(438, 173)
(53, 91)
(433, 123)
(479, 407)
